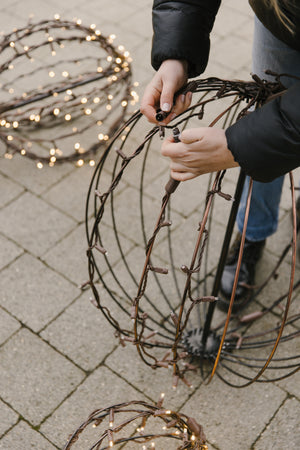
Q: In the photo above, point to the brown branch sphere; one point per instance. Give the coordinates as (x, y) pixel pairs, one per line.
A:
(137, 424)
(65, 90)
(152, 267)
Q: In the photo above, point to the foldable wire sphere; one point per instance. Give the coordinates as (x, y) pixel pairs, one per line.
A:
(156, 254)
(61, 84)
(137, 424)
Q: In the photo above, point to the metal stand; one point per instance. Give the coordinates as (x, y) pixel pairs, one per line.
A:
(207, 334)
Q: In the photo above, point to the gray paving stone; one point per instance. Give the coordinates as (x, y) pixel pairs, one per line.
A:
(284, 429)
(39, 9)
(140, 22)
(92, 15)
(34, 293)
(291, 384)
(67, 5)
(9, 190)
(238, 57)
(9, 325)
(9, 251)
(101, 389)
(276, 287)
(24, 171)
(188, 197)
(277, 242)
(215, 69)
(68, 199)
(9, 21)
(286, 201)
(8, 418)
(127, 362)
(113, 12)
(228, 21)
(185, 237)
(42, 225)
(128, 220)
(82, 333)
(241, 415)
(34, 378)
(246, 31)
(69, 256)
(239, 6)
(22, 436)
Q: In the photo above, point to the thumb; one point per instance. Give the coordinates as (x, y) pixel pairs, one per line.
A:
(192, 135)
(167, 97)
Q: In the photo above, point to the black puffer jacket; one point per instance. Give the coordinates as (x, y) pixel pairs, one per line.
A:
(266, 143)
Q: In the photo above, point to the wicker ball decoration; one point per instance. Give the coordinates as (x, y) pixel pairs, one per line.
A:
(65, 90)
(155, 265)
(138, 424)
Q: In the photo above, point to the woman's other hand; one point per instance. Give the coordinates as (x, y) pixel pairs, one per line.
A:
(200, 151)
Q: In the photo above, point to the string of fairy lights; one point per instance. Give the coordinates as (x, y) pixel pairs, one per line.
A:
(66, 90)
(170, 427)
(160, 296)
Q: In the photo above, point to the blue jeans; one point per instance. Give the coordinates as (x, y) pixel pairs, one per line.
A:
(268, 53)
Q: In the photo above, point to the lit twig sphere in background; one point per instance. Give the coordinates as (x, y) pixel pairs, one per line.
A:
(137, 424)
(65, 90)
(163, 302)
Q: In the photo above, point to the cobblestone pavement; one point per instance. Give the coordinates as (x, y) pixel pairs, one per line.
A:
(59, 360)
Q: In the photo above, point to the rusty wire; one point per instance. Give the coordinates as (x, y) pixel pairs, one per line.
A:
(65, 90)
(169, 321)
(166, 429)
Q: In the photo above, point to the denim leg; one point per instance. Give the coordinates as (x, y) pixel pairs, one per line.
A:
(263, 215)
(268, 53)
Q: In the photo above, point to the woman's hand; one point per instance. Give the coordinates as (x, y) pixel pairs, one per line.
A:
(159, 93)
(201, 150)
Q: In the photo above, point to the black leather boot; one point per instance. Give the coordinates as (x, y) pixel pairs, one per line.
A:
(251, 255)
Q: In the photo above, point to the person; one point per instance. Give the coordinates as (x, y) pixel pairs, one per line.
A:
(265, 143)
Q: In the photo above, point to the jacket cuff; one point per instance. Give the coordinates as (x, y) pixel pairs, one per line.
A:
(266, 143)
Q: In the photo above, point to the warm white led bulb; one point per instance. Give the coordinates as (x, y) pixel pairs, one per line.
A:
(80, 163)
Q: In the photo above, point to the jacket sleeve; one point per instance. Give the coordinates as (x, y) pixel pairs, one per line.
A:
(266, 143)
(181, 31)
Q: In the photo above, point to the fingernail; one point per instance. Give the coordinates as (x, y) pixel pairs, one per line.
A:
(172, 116)
(166, 107)
(182, 98)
